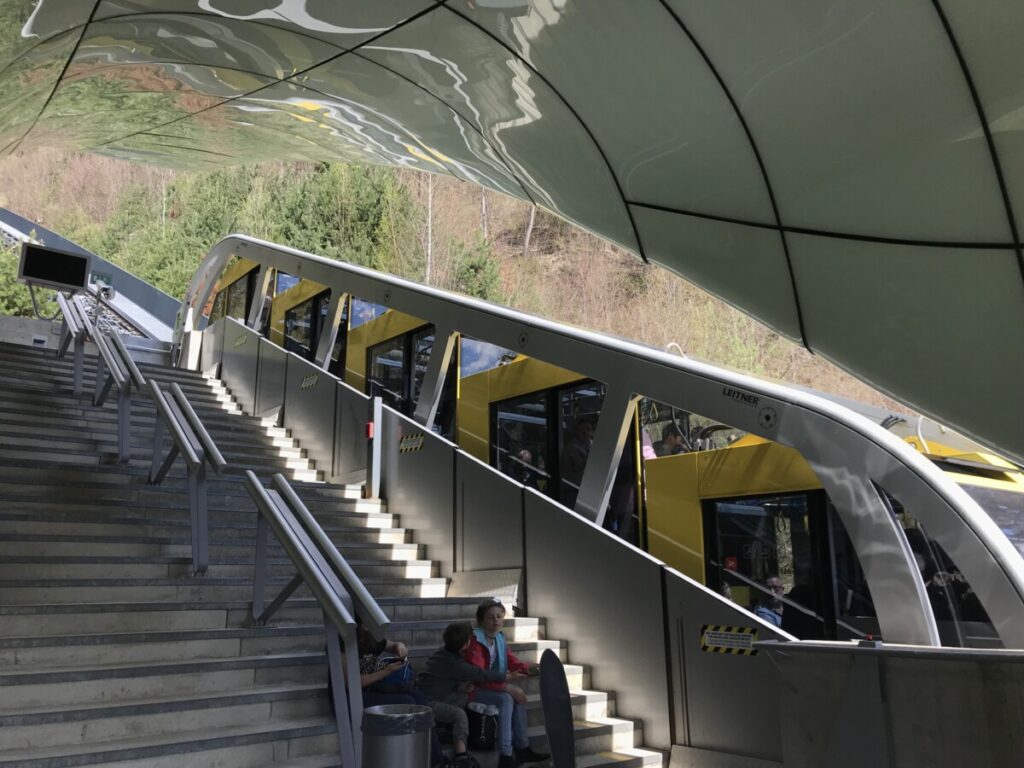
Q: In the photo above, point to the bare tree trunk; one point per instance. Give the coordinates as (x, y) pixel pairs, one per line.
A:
(430, 226)
(483, 213)
(529, 230)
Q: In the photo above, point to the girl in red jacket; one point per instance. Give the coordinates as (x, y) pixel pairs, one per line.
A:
(488, 650)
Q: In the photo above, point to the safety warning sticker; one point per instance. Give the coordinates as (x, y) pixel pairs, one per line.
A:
(718, 638)
(410, 443)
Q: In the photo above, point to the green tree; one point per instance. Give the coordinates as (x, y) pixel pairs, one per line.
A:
(476, 271)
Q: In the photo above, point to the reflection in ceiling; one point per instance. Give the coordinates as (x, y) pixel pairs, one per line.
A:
(850, 172)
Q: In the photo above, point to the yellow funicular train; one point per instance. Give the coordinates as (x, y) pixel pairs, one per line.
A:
(741, 514)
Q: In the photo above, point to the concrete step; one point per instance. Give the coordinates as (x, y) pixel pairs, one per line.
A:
(229, 747)
(35, 729)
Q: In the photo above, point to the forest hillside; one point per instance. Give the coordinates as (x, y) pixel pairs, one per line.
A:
(159, 223)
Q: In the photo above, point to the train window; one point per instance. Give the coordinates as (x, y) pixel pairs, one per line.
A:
(959, 614)
(479, 356)
(421, 348)
(298, 329)
(521, 446)
(365, 311)
(386, 377)
(237, 295)
(218, 307)
(788, 559)
(337, 366)
(579, 407)
(284, 282)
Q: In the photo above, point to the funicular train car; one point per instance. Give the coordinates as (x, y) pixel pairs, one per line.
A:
(741, 514)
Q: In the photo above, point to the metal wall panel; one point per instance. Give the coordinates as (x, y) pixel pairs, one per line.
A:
(240, 363)
(271, 380)
(309, 409)
(604, 597)
(730, 703)
(351, 413)
(419, 485)
(212, 349)
(488, 515)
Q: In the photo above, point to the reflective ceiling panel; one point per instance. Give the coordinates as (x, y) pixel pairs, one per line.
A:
(989, 35)
(689, 152)
(740, 264)
(209, 40)
(922, 320)
(861, 113)
(345, 23)
(543, 142)
(405, 123)
(645, 117)
(27, 82)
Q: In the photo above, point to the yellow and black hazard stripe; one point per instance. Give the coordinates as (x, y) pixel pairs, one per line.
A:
(410, 443)
(722, 638)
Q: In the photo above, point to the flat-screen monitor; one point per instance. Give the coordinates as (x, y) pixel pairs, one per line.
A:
(54, 268)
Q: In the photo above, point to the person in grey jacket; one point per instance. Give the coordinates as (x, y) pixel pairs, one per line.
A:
(448, 682)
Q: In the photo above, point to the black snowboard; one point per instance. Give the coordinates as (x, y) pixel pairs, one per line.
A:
(554, 698)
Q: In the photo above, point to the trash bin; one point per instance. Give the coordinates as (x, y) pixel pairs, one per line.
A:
(397, 736)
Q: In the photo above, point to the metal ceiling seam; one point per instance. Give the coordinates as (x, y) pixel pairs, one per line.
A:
(341, 52)
(583, 124)
(880, 239)
(467, 121)
(760, 164)
(989, 140)
(60, 77)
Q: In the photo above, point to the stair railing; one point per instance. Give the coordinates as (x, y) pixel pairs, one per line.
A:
(191, 441)
(74, 330)
(334, 584)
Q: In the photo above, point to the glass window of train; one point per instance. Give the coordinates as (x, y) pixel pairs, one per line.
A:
(855, 610)
(237, 293)
(386, 373)
(218, 307)
(478, 356)
(283, 282)
(422, 347)
(959, 614)
(765, 552)
(521, 445)
(579, 408)
(1004, 506)
(364, 311)
(298, 330)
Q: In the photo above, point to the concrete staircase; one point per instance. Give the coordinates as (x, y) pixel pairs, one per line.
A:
(112, 653)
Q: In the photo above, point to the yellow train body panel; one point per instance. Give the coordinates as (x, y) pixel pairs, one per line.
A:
(360, 339)
(476, 393)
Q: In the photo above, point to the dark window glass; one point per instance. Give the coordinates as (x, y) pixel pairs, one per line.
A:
(236, 302)
(298, 329)
(578, 409)
(386, 375)
(218, 307)
(422, 346)
(337, 366)
(520, 444)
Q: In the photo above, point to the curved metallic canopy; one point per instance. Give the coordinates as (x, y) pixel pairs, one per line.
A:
(850, 172)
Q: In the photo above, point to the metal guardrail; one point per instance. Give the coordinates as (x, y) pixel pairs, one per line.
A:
(336, 587)
(73, 331)
(191, 441)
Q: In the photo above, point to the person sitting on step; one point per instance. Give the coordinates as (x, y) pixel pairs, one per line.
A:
(489, 651)
(449, 683)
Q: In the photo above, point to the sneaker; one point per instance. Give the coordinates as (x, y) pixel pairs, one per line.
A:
(527, 755)
(465, 760)
(507, 761)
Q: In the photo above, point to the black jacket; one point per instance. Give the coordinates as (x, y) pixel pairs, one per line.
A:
(446, 671)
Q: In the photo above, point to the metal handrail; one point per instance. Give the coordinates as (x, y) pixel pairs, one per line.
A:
(78, 304)
(70, 317)
(317, 566)
(134, 374)
(181, 440)
(213, 454)
(371, 613)
(114, 370)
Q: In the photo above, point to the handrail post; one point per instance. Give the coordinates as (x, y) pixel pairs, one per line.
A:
(124, 425)
(76, 385)
(259, 573)
(371, 490)
(348, 723)
(199, 517)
